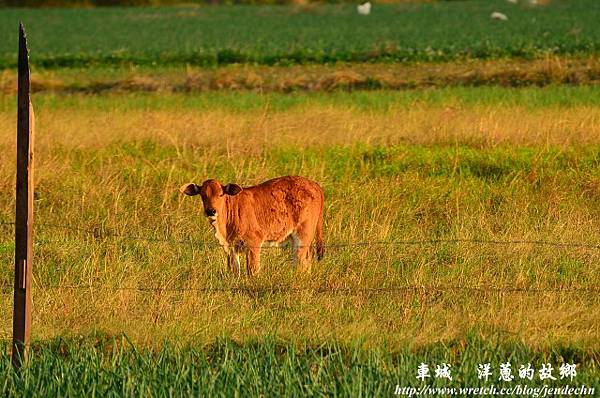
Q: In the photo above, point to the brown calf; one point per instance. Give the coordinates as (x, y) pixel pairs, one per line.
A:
(277, 210)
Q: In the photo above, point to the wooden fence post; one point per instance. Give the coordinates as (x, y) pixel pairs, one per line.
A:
(23, 211)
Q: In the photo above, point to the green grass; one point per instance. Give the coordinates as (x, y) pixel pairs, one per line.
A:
(378, 101)
(109, 367)
(289, 35)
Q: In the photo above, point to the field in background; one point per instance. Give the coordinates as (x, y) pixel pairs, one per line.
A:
(272, 35)
(154, 3)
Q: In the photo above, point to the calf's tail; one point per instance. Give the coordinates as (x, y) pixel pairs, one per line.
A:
(320, 245)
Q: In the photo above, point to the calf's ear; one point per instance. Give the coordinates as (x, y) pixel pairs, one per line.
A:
(190, 189)
(232, 189)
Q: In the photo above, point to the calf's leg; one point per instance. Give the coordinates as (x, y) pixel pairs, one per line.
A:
(253, 258)
(303, 238)
(233, 262)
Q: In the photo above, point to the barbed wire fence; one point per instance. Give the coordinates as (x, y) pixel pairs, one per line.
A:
(103, 234)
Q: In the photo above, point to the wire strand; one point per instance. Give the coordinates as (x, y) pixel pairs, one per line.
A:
(321, 290)
(101, 234)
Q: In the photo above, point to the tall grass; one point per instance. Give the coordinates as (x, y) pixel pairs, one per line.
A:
(410, 170)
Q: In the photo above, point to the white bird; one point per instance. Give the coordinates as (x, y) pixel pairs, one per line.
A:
(499, 16)
(364, 9)
(512, 1)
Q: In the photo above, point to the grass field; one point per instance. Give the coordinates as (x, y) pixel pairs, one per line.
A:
(461, 215)
(457, 163)
(269, 35)
(486, 163)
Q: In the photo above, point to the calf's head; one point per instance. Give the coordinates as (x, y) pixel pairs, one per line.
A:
(213, 195)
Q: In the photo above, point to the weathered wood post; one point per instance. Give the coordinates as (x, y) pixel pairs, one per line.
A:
(23, 210)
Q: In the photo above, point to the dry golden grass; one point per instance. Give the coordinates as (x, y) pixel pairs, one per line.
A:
(550, 70)
(409, 173)
(233, 134)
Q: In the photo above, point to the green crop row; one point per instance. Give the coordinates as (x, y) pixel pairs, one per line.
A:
(112, 367)
(299, 34)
